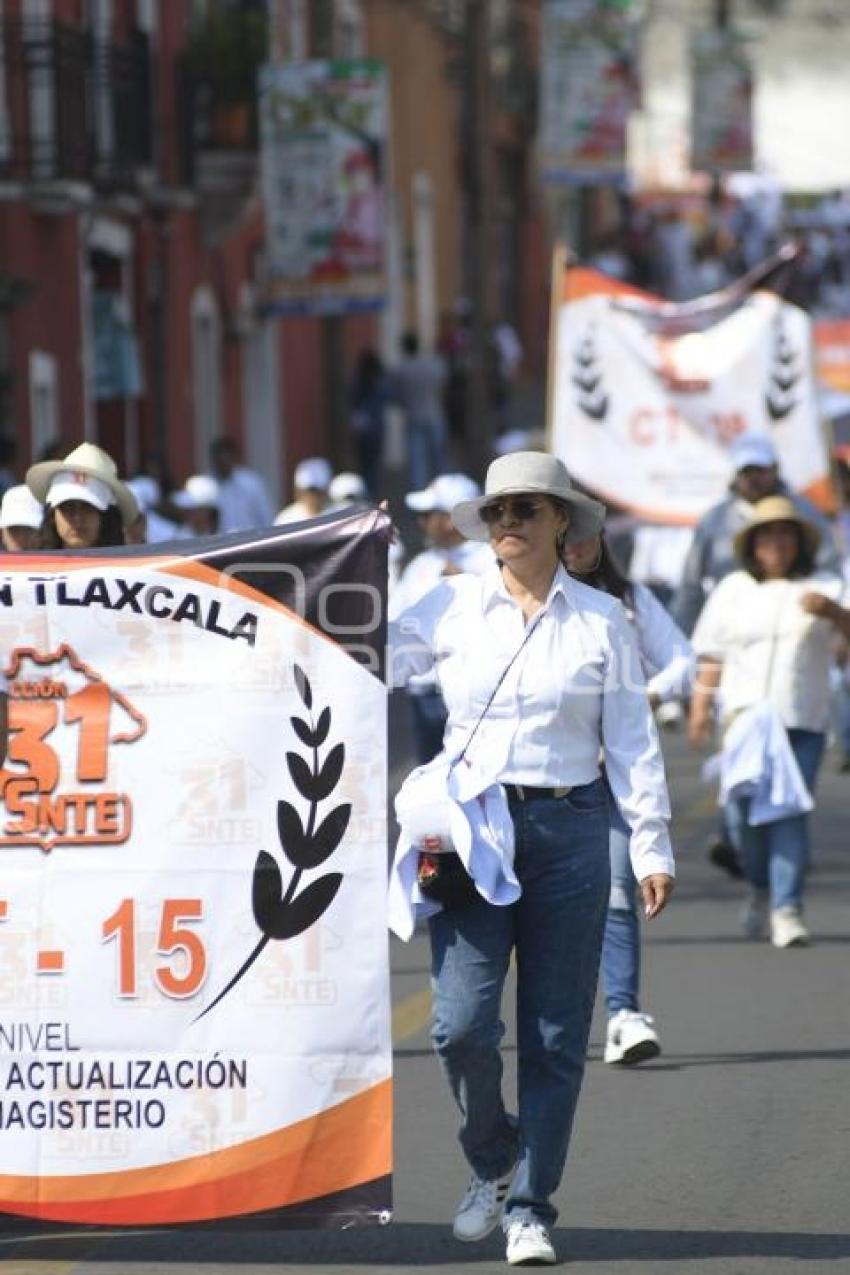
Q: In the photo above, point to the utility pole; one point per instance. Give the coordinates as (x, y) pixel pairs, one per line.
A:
(478, 218)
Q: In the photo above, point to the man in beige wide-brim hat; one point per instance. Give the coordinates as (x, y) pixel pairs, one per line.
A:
(87, 473)
(771, 510)
(530, 474)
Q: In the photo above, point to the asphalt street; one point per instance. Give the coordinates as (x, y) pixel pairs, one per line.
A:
(728, 1154)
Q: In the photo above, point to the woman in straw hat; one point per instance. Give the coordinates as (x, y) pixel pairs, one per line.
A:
(536, 670)
(765, 638)
(87, 505)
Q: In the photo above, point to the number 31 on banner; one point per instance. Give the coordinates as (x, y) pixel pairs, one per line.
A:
(174, 938)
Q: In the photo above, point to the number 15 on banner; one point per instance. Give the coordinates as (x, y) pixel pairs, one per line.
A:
(184, 967)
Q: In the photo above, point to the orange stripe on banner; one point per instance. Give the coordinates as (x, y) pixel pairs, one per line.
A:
(342, 1147)
(822, 493)
(580, 282)
(202, 573)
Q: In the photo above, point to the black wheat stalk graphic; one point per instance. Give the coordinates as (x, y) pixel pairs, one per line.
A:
(283, 914)
(587, 378)
(783, 375)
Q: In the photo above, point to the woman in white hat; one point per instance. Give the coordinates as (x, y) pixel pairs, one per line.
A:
(765, 638)
(87, 505)
(573, 681)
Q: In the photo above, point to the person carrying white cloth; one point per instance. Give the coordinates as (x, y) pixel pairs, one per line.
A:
(576, 684)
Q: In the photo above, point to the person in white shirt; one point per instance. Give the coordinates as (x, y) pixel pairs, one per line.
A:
(151, 528)
(667, 662)
(573, 680)
(765, 636)
(447, 554)
(243, 500)
(311, 480)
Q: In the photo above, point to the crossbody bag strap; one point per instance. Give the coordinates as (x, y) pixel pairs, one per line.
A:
(498, 686)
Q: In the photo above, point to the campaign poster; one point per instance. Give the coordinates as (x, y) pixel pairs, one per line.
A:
(323, 154)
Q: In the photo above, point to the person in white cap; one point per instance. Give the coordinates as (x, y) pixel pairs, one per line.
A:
(21, 516)
(711, 556)
(87, 504)
(347, 489)
(199, 502)
(448, 552)
(311, 481)
(537, 671)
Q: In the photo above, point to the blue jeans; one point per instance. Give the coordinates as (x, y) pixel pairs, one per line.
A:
(426, 449)
(556, 930)
(621, 945)
(429, 724)
(775, 856)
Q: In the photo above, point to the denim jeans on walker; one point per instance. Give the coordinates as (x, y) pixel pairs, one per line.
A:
(775, 856)
(426, 449)
(556, 928)
(621, 945)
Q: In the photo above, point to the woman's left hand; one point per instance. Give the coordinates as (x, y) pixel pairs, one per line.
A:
(656, 891)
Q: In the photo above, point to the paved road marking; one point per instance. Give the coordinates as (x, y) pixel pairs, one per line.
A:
(411, 1015)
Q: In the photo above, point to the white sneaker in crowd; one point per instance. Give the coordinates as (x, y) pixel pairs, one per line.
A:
(631, 1038)
(480, 1210)
(528, 1243)
(753, 915)
(787, 928)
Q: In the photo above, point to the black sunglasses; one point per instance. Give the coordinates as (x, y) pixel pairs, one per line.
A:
(521, 508)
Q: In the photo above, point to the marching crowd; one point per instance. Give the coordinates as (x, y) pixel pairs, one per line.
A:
(536, 822)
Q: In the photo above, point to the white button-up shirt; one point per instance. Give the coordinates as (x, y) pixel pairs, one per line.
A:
(576, 685)
(770, 647)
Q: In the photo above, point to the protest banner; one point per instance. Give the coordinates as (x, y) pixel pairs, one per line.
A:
(323, 144)
(194, 1004)
(647, 396)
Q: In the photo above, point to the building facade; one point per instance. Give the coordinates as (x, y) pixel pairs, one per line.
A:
(132, 256)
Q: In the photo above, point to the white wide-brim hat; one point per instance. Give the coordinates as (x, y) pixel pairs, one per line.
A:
(70, 476)
(530, 474)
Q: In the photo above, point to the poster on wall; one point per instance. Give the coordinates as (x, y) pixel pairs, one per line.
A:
(648, 396)
(194, 1004)
(721, 103)
(588, 90)
(323, 144)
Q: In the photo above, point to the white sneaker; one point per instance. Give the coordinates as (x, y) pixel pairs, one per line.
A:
(787, 929)
(753, 915)
(631, 1038)
(528, 1243)
(480, 1210)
